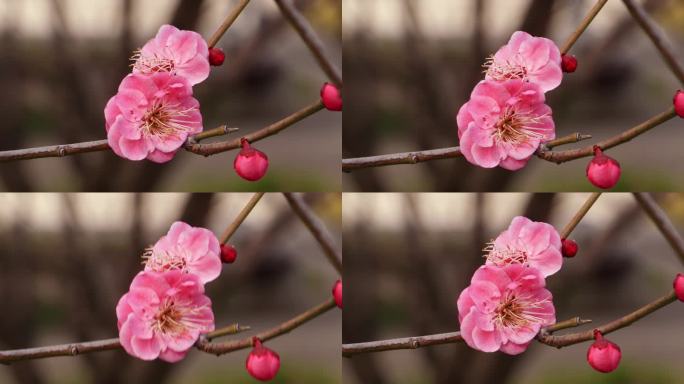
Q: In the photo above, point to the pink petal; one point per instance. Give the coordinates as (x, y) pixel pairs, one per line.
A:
(548, 262)
(485, 295)
(196, 70)
(495, 90)
(176, 230)
(486, 157)
(160, 157)
(133, 149)
(464, 303)
(512, 164)
(495, 275)
(518, 38)
(171, 356)
(146, 349)
(486, 341)
(468, 326)
(514, 349)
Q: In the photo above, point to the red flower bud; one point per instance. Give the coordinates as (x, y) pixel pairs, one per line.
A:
(603, 355)
(678, 285)
(262, 363)
(216, 57)
(228, 253)
(603, 171)
(568, 63)
(331, 97)
(678, 102)
(568, 248)
(251, 164)
(337, 293)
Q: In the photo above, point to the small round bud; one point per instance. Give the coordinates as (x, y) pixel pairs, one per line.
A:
(603, 171)
(216, 56)
(331, 97)
(603, 355)
(678, 285)
(678, 102)
(568, 63)
(337, 293)
(228, 253)
(262, 363)
(569, 248)
(250, 164)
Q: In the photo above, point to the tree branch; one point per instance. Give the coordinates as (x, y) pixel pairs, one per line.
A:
(583, 26)
(232, 227)
(657, 36)
(663, 223)
(230, 346)
(572, 154)
(415, 157)
(317, 229)
(543, 337)
(303, 28)
(579, 215)
(230, 19)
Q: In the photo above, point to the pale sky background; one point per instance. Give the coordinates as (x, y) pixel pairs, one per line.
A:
(97, 18)
(443, 18)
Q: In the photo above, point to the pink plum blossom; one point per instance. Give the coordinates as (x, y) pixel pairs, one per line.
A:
(530, 243)
(188, 249)
(151, 117)
(163, 315)
(528, 58)
(503, 124)
(182, 53)
(504, 308)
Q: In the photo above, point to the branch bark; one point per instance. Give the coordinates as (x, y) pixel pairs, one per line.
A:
(663, 223)
(579, 215)
(233, 226)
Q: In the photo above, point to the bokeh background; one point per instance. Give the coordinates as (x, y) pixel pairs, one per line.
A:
(411, 64)
(62, 60)
(68, 258)
(409, 256)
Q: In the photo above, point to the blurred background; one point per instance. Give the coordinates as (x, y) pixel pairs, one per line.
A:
(409, 256)
(410, 65)
(63, 59)
(68, 258)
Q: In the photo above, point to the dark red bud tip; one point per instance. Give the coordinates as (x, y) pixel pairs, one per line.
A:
(228, 253)
(678, 285)
(597, 150)
(568, 63)
(216, 56)
(597, 335)
(678, 102)
(569, 248)
(331, 97)
(337, 293)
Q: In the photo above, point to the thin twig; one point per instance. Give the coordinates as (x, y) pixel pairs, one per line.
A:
(569, 139)
(401, 343)
(574, 338)
(74, 349)
(191, 144)
(317, 229)
(415, 157)
(583, 26)
(230, 346)
(572, 154)
(657, 36)
(579, 215)
(235, 224)
(220, 131)
(311, 39)
(229, 20)
(663, 223)
(222, 146)
(544, 336)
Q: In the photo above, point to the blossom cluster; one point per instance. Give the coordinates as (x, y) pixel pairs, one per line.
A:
(506, 118)
(165, 310)
(507, 302)
(154, 111)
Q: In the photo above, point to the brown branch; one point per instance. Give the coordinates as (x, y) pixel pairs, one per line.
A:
(74, 349)
(222, 146)
(191, 145)
(303, 28)
(583, 26)
(233, 226)
(545, 335)
(415, 157)
(579, 215)
(574, 338)
(230, 346)
(660, 219)
(657, 36)
(317, 229)
(230, 19)
(401, 343)
(568, 139)
(572, 154)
